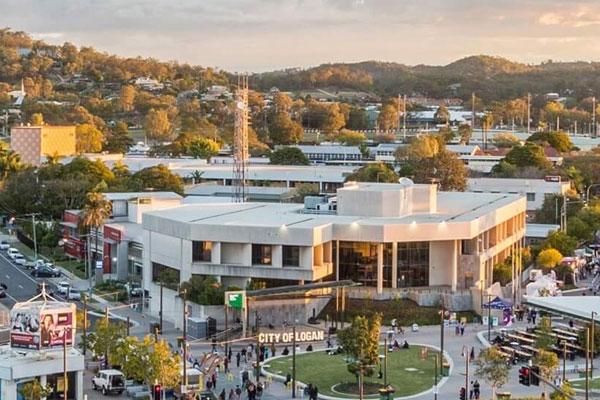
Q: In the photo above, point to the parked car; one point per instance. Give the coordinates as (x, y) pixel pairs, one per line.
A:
(135, 290)
(4, 245)
(74, 294)
(109, 381)
(34, 264)
(3, 288)
(53, 268)
(63, 287)
(45, 272)
(11, 252)
(20, 259)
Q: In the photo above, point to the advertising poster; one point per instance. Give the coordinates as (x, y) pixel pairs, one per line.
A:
(32, 328)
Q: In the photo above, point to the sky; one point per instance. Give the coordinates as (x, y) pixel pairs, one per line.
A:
(263, 35)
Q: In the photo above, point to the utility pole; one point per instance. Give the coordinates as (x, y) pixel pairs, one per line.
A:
(473, 110)
(404, 118)
(184, 341)
(294, 361)
(528, 113)
(226, 331)
(592, 346)
(160, 312)
(587, 359)
(84, 323)
(442, 317)
(65, 378)
(398, 112)
(257, 322)
(594, 131)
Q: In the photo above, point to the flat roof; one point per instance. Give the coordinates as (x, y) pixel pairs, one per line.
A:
(328, 149)
(135, 195)
(452, 207)
(580, 307)
(212, 190)
(539, 230)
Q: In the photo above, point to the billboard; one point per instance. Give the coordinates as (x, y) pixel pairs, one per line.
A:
(38, 328)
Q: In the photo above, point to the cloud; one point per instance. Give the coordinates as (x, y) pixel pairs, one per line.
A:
(251, 35)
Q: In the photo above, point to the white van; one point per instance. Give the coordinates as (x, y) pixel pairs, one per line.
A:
(109, 381)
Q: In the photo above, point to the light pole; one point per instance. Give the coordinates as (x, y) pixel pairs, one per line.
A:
(587, 358)
(184, 338)
(294, 361)
(465, 354)
(435, 382)
(442, 313)
(594, 313)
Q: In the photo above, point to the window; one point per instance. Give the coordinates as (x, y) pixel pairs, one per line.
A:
(201, 251)
(413, 264)
(291, 256)
(261, 254)
(167, 275)
(530, 196)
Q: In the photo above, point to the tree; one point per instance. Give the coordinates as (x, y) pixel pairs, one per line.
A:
(37, 119)
(548, 258)
(305, 189)
(351, 138)
(33, 390)
(566, 392)
(205, 290)
(288, 156)
(425, 146)
(157, 125)
(528, 155)
(88, 138)
(465, 132)
(442, 115)
(106, 337)
(95, 211)
(162, 366)
(10, 163)
(157, 178)
(487, 121)
(560, 241)
(558, 140)
(505, 139)
(127, 98)
(374, 172)
(357, 119)
(548, 362)
(200, 147)
(388, 118)
(119, 140)
(284, 130)
(544, 339)
(445, 167)
(131, 355)
(492, 367)
(360, 342)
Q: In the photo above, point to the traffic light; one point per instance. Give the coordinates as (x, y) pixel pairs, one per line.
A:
(463, 393)
(535, 375)
(524, 376)
(156, 392)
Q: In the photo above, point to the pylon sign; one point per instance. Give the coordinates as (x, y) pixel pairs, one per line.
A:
(236, 299)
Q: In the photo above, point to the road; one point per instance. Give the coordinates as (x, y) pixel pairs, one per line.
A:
(21, 285)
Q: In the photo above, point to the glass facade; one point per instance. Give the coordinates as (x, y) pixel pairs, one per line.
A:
(413, 264)
(358, 262)
(291, 256)
(261, 254)
(201, 251)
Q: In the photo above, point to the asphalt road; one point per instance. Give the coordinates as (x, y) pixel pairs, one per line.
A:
(21, 285)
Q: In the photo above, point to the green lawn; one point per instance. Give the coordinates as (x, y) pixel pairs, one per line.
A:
(327, 371)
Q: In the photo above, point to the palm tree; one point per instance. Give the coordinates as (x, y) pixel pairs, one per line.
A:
(96, 210)
(486, 124)
(10, 162)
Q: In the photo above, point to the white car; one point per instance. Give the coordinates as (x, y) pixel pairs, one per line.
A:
(109, 381)
(4, 245)
(63, 287)
(19, 259)
(12, 252)
(74, 294)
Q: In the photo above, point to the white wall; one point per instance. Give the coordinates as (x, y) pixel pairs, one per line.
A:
(236, 253)
(440, 262)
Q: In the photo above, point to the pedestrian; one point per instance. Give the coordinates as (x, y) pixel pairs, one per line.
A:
(230, 354)
(213, 378)
(315, 392)
(238, 392)
(533, 316)
(251, 389)
(472, 355)
(226, 364)
(471, 391)
(222, 395)
(245, 376)
(231, 395)
(259, 390)
(237, 359)
(476, 388)
(273, 354)
(457, 330)
(462, 328)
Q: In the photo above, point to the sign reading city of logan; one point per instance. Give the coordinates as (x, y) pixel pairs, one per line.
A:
(288, 337)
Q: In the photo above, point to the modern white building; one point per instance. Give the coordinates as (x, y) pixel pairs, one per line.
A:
(326, 153)
(384, 236)
(535, 190)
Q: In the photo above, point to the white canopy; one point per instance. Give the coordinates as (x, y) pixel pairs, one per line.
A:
(580, 307)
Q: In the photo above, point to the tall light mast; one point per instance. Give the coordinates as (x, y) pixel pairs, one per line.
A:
(240, 140)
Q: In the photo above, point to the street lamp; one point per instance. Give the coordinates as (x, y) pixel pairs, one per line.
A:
(435, 382)
(594, 313)
(465, 354)
(443, 314)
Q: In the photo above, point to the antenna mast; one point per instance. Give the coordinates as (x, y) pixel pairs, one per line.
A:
(240, 140)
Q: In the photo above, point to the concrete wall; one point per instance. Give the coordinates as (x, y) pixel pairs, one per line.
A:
(440, 262)
(236, 253)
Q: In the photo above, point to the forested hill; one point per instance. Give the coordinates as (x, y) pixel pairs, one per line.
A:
(493, 78)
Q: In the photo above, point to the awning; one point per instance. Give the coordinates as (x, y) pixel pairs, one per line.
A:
(498, 304)
(580, 307)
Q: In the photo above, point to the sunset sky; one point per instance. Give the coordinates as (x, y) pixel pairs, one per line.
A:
(259, 35)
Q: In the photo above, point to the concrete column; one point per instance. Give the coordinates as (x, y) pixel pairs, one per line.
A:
(337, 260)
(277, 256)
(395, 265)
(454, 264)
(380, 268)
(215, 254)
(9, 390)
(43, 382)
(185, 272)
(79, 385)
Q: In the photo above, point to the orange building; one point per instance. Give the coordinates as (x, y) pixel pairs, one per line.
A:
(33, 143)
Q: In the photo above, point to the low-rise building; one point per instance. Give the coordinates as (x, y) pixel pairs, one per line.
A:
(323, 154)
(118, 242)
(34, 143)
(388, 237)
(535, 190)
